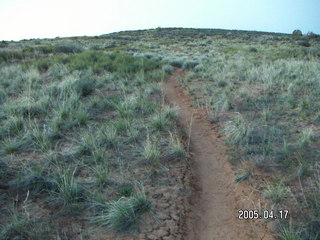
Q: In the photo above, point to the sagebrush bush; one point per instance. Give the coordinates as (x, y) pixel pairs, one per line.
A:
(167, 68)
(190, 65)
(176, 63)
(297, 32)
(68, 48)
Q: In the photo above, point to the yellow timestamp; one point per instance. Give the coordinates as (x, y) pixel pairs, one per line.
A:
(245, 214)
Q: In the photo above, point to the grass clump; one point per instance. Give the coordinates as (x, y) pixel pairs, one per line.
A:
(69, 192)
(305, 137)
(288, 232)
(121, 125)
(276, 193)
(108, 136)
(171, 113)
(176, 149)
(14, 144)
(151, 152)
(159, 122)
(237, 130)
(245, 173)
(14, 125)
(124, 213)
(126, 190)
(40, 138)
(101, 175)
(21, 227)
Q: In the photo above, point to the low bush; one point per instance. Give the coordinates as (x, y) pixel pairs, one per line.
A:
(297, 32)
(67, 48)
(189, 65)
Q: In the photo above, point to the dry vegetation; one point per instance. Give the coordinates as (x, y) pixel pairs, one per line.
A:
(86, 138)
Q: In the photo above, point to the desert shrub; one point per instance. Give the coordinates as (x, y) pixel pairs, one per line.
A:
(10, 55)
(95, 46)
(45, 49)
(42, 65)
(57, 71)
(312, 35)
(3, 44)
(304, 44)
(222, 83)
(122, 64)
(167, 68)
(189, 65)
(85, 85)
(155, 76)
(253, 49)
(297, 32)
(199, 68)
(176, 63)
(68, 48)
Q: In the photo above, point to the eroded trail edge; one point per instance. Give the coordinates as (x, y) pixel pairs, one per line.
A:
(212, 208)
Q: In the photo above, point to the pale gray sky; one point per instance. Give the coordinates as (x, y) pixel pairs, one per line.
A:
(25, 19)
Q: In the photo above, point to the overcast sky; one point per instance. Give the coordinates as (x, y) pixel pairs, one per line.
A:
(25, 19)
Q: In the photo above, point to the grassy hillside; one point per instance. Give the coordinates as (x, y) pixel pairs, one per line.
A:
(86, 140)
(86, 137)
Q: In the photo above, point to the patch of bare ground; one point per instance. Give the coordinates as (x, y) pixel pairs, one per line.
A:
(212, 209)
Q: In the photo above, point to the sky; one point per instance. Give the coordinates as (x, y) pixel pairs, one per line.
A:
(27, 19)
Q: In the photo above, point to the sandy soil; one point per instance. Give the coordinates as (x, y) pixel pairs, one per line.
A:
(214, 204)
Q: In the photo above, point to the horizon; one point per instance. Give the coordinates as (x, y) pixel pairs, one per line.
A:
(147, 29)
(51, 19)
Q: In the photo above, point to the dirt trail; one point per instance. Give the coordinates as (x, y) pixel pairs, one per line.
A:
(216, 199)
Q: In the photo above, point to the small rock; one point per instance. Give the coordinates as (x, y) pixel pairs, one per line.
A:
(152, 237)
(162, 216)
(157, 195)
(174, 216)
(146, 228)
(168, 238)
(163, 206)
(142, 236)
(161, 233)
(173, 229)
